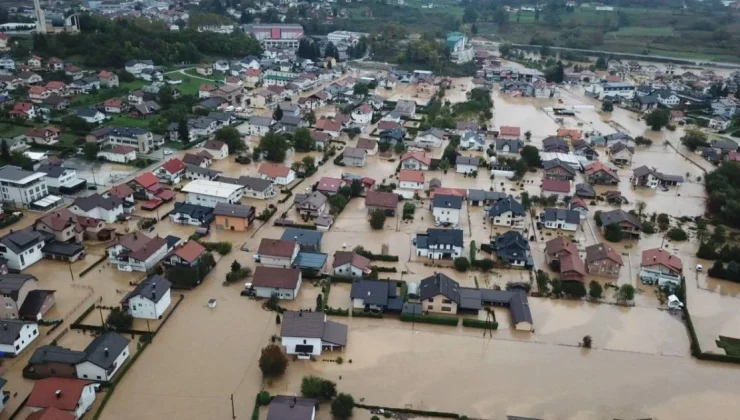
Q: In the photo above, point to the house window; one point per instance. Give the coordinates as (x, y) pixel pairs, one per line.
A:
(8, 305)
(84, 376)
(98, 377)
(446, 309)
(446, 301)
(430, 307)
(430, 300)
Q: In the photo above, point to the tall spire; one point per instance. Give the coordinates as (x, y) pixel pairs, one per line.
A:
(40, 17)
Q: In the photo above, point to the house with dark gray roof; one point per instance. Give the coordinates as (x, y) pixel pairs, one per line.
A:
(16, 335)
(512, 248)
(308, 240)
(583, 148)
(644, 176)
(556, 218)
(585, 191)
(199, 172)
(191, 214)
(376, 295)
(557, 169)
(509, 147)
(438, 244)
(22, 248)
(149, 299)
(286, 407)
(466, 164)
(507, 212)
(307, 334)
(555, 144)
(253, 187)
(630, 225)
(104, 356)
(446, 208)
(478, 197)
(109, 209)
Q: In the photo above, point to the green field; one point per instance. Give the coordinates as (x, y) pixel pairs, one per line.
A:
(125, 120)
(214, 77)
(189, 85)
(106, 93)
(643, 31)
(10, 130)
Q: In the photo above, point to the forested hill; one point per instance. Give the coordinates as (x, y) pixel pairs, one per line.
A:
(110, 43)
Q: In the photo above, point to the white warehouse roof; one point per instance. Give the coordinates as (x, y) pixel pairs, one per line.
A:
(212, 188)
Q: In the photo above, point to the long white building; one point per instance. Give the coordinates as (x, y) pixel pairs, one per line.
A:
(209, 193)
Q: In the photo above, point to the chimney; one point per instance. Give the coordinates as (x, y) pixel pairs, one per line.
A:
(58, 393)
(106, 352)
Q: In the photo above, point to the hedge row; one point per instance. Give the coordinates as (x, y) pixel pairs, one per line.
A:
(430, 319)
(336, 311)
(424, 413)
(477, 323)
(365, 314)
(378, 257)
(380, 269)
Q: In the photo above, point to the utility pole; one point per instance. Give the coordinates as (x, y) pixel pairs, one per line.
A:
(102, 322)
(71, 274)
(233, 413)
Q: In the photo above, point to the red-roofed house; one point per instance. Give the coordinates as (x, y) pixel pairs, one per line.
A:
(125, 193)
(733, 156)
(411, 180)
(569, 134)
(120, 154)
(572, 268)
(46, 135)
(187, 255)
(598, 173)
(253, 77)
(146, 186)
(509, 132)
(25, 110)
(277, 173)
(556, 187)
(37, 94)
(363, 114)
(137, 252)
(333, 128)
(329, 186)
(205, 91)
(108, 79)
(113, 106)
(416, 161)
(172, 171)
(73, 396)
(661, 260)
(51, 414)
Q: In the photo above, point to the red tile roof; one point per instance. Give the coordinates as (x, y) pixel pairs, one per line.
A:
(147, 179)
(571, 262)
(253, 72)
(123, 150)
(367, 144)
(459, 192)
(113, 102)
(44, 395)
(329, 184)
(276, 248)
(55, 85)
(274, 277)
(51, 414)
(569, 132)
(356, 260)
(387, 125)
(174, 166)
(421, 157)
(329, 125)
(191, 251)
(105, 74)
(506, 130)
(274, 170)
(556, 185)
(657, 256)
(411, 176)
(381, 199)
(559, 244)
(597, 167)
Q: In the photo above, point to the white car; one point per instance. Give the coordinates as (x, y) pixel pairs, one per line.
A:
(168, 152)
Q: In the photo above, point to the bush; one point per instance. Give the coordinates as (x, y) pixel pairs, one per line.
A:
(595, 290)
(241, 273)
(222, 248)
(484, 264)
(358, 313)
(677, 234)
(336, 311)
(264, 398)
(430, 319)
(574, 288)
(342, 406)
(119, 320)
(319, 388)
(273, 361)
(374, 257)
(477, 323)
(648, 227)
(377, 219)
(461, 264)
(587, 341)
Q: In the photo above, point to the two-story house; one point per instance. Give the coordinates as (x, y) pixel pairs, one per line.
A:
(22, 248)
(513, 249)
(411, 180)
(137, 252)
(620, 153)
(599, 174)
(644, 176)
(446, 208)
(311, 205)
(507, 213)
(438, 244)
(561, 219)
(277, 252)
(416, 161)
(109, 209)
(276, 173)
(209, 193)
(630, 225)
(439, 294)
(603, 260)
(150, 298)
(557, 169)
(22, 299)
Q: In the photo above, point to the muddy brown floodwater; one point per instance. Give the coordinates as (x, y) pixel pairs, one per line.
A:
(640, 365)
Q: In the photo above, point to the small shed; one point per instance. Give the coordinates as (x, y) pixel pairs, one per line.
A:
(412, 289)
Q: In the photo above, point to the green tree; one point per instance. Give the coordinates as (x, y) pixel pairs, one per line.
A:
(377, 219)
(607, 106)
(342, 406)
(574, 289)
(613, 232)
(677, 234)
(319, 388)
(309, 164)
(232, 138)
(399, 148)
(361, 89)
(119, 320)
(90, 150)
(310, 118)
(302, 141)
(643, 141)
(273, 361)
(355, 188)
(626, 292)
(461, 264)
(657, 119)
(543, 282)
(601, 63)
(470, 15)
(337, 203)
(595, 290)
(531, 156)
(474, 29)
(235, 266)
(4, 151)
(536, 13)
(640, 206)
(693, 139)
(183, 134)
(557, 287)
(274, 146)
(278, 114)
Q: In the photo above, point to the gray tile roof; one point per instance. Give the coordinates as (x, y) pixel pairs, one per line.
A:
(568, 216)
(111, 342)
(436, 236)
(374, 292)
(515, 145)
(354, 152)
(250, 182)
(10, 330)
(11, 283)
(21, 240)
(447, 201)
(153, 288)
(557, 163)
(56, 354)
(439, 284)
(467, 160)
(313, 325)
(195, 211)
(505, 205)
(618, 216)
(303, 236)
(233, 210)
(284, 407)
(96, 200)
(212, 173)
(260, 121)
(14, 173)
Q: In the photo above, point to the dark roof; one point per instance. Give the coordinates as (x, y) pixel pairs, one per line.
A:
(511, 245)
(284, 407)
(439, 284)
(447, 201)
(480, 195)
(515, 145)
(211, 173)
(11, 283)
(110, 341)
(10, 330)
(96, 200)
(56, 354)
(554, 143)
(381, 199)
(598, 252)
(313, 325)
(52, 171)
(195, 211)
(14, 173)
(569, 216)
(303, 236)
(557, 163)
(153, 288)
(67, 249)
(21, 240)
(393, 133)
(585, 190)
(233, 210)
(467, 160)
(374, 292)
(250, 182)
(618, 216)
(435, 236)
(33, 303)
(275, 277)
(505, 205)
